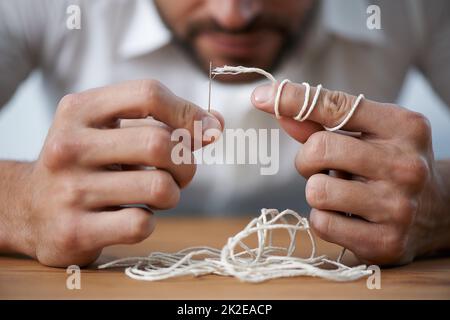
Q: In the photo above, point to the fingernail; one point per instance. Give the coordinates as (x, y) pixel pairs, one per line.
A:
(263, 93)
(211, 128)
(210, 122)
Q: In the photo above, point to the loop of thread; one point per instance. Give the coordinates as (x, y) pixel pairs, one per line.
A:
(233, 70)
(266, 261)
(278, 97)
(305, 102)
(313, 105)
(349, 115)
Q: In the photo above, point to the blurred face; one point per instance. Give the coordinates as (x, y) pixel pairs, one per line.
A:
(254, 33)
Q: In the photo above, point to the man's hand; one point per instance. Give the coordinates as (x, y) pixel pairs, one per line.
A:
(69, 204)
(393, 190)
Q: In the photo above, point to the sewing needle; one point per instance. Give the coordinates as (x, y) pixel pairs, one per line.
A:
(210, 85)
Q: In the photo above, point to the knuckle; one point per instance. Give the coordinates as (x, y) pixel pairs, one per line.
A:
(404, 211)
(418, 128)
(412, 171)
(73, 192)
(187, 114)
(371, 247)
(164, 190)
(316, 148)
(157, 143)
(313, 153)
(321, 223)
(316, 191)
(140, 226)
(60, 150)
(67, 238)
(150, 91)
(336, 104)
(318, 143)
(69, 102)
(394, 246)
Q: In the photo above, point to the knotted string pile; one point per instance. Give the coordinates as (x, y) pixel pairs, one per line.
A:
(266, 261)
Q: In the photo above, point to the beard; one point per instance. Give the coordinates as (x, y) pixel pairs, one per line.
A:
(290, 37)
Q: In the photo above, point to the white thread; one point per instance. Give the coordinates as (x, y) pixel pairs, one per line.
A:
(240, 69)
(313, 104)
(305, 102)
(278, 97)
(349, 115)
(262, 263)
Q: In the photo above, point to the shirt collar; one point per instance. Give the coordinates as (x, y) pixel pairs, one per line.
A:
(346, 19)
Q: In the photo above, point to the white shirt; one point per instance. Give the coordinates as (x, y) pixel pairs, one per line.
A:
(122, 39)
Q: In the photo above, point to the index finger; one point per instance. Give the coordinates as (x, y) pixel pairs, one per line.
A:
(138, 99)
(332, 108)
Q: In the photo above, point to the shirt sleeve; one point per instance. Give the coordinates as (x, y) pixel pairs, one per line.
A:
(21, 31)
(434, 55)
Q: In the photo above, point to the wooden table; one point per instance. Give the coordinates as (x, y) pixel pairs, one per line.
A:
(22, 278)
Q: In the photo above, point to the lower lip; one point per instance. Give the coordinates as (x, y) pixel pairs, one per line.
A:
(238, 45)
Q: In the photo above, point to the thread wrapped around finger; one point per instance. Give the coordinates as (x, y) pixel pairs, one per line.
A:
(235, 70)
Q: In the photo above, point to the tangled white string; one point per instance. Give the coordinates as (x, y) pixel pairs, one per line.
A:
(304, 109)
(266, 261)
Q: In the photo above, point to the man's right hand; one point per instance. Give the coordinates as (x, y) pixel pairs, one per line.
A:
(68, 205)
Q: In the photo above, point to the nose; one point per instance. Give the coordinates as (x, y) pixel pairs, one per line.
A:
(234, 14)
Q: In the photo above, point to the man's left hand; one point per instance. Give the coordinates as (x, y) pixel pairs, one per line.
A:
(391, 186)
